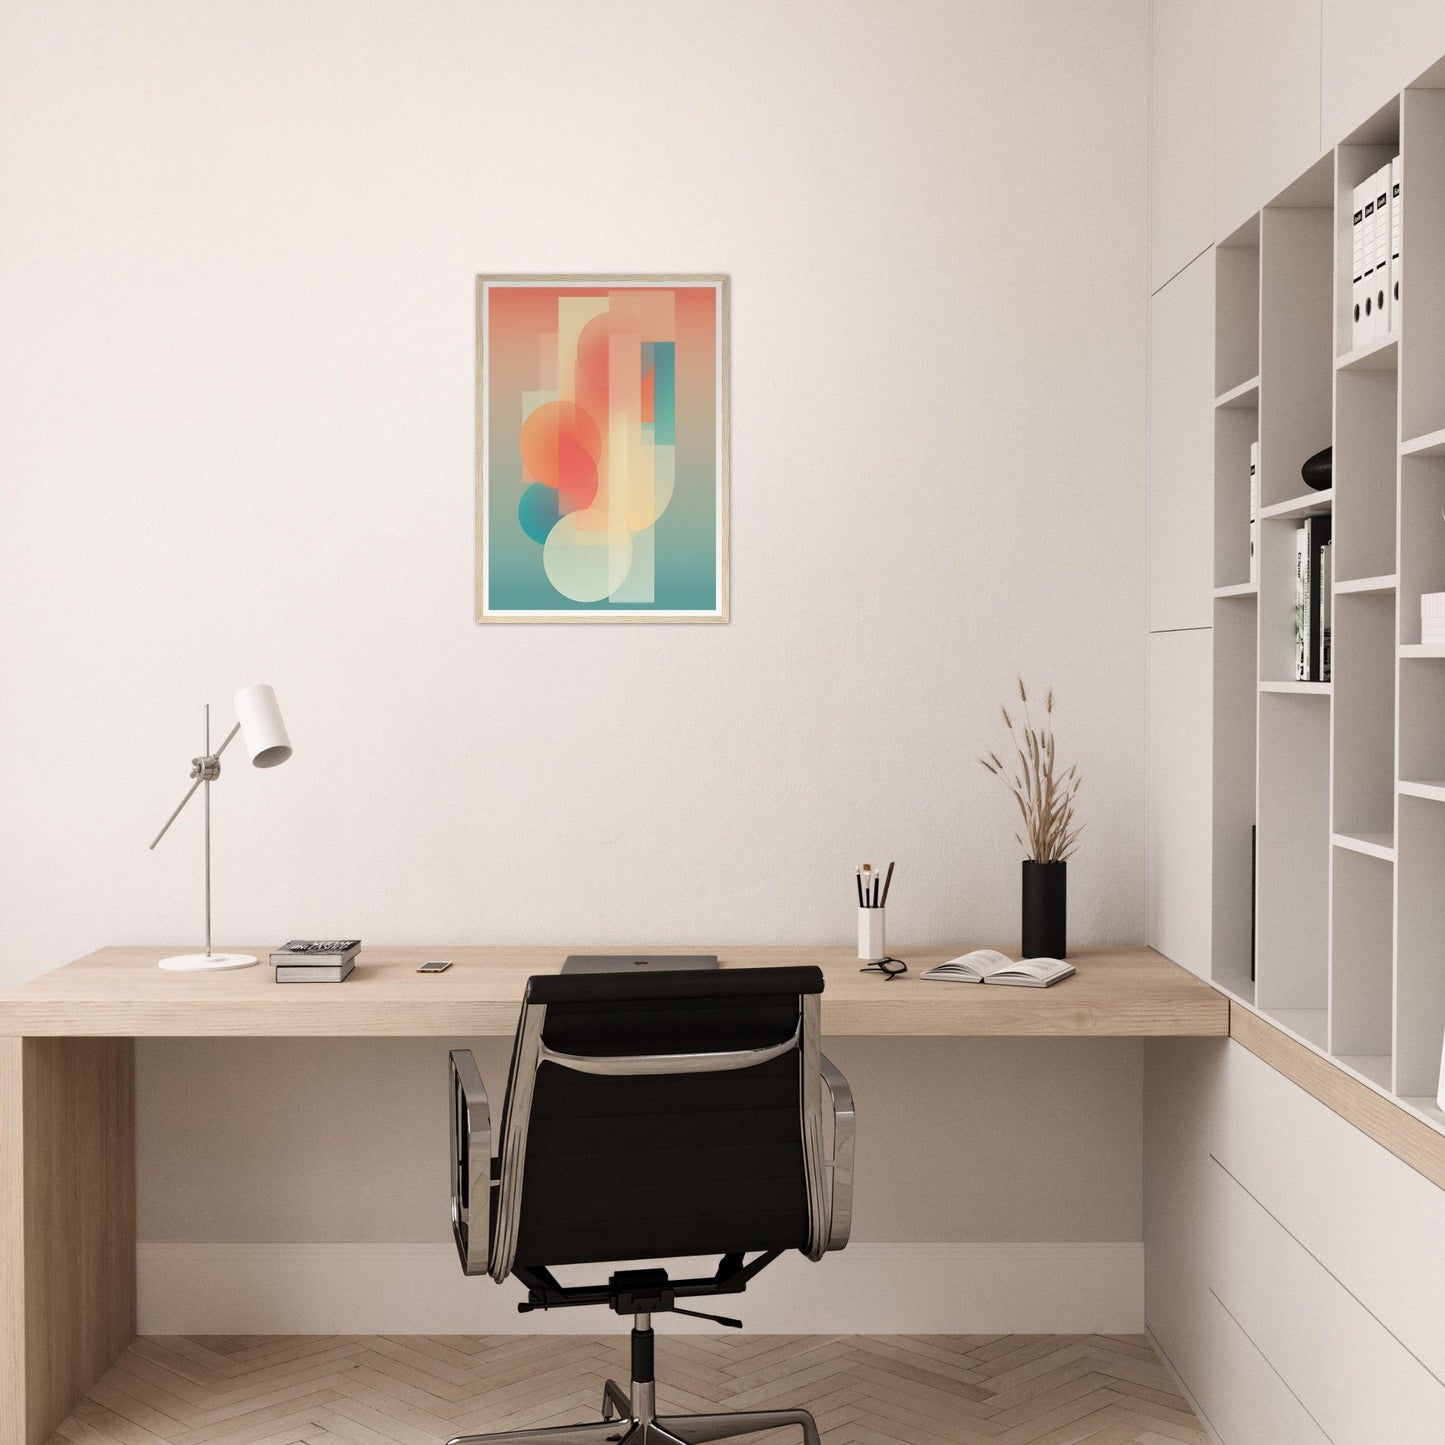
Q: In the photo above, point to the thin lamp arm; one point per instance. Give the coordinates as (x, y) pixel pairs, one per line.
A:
(201, 778)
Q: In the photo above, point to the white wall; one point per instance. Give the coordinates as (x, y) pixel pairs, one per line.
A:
(236, 377)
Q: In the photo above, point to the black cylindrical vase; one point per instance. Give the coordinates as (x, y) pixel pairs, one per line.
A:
(1046, 909)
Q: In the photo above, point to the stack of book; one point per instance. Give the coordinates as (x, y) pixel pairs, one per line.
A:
(1313, 584)
(315, 960)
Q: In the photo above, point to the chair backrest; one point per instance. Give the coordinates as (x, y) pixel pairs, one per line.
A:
(668, 1114)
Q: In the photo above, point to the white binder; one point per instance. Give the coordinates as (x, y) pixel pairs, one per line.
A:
(1381, 291)
(1357, 266)
(1367, 322)
(1254, 513)
(1396, 224)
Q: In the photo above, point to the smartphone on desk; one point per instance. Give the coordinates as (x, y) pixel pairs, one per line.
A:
(435, 965)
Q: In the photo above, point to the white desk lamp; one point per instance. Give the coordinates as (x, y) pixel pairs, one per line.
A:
(258, 720)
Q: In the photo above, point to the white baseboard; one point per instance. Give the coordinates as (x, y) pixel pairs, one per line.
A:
(350, 1289)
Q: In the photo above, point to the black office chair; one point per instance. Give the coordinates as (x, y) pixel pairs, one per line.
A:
(651, 1117)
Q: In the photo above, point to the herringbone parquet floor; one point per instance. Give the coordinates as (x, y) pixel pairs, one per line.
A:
(420, 1390)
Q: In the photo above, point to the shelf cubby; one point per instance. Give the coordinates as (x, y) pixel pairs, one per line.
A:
(1294, 852)
(1236, 302)
(1296, 330)
(1235, 430)
(1276, 602)
(1362, 956)
(1422, 724)
(1420, 961)
(1357, 159)
(1363, 686)
(1422, 538)
(1365, 461)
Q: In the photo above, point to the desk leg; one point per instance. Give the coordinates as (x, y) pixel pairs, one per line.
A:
(67, 1224)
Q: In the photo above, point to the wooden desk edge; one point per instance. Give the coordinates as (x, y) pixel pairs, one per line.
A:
(1163, 1001)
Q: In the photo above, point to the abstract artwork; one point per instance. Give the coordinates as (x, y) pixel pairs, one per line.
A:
(601, 448)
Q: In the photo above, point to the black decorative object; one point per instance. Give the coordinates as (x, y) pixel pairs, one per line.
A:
(1319, 471)
(1046, 908)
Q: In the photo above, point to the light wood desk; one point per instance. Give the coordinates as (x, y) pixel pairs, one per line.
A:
(67, 1168)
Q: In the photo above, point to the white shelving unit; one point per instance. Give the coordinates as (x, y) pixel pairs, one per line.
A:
(1335, 790)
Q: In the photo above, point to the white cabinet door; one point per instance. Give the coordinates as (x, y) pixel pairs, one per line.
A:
(1371, 49)
(1266, 102)
(1181, 450)
(1181, 134)
(1178, 814)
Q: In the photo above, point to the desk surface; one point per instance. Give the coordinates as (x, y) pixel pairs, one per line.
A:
(119, 992)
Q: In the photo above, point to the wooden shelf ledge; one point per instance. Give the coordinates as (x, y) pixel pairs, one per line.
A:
(1393, 1123)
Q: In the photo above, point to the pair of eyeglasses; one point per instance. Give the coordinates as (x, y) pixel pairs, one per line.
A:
(890, 968)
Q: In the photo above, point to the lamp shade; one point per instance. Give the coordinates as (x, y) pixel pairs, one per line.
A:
(262, 730)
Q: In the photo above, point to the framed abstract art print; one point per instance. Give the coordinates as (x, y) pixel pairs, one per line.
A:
(602, 452)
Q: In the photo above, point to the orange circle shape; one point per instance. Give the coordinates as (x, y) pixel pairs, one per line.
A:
(595, 341)
(560, 444)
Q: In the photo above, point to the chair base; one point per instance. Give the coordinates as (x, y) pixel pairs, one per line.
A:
(640, 1426)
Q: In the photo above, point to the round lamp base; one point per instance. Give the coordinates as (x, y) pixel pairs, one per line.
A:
(206, 962)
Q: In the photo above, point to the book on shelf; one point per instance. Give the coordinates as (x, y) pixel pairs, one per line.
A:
(314, 972)
(1310, 607)
(1326, 606)
(1254, 513)
(988, 965)
(1301, 605)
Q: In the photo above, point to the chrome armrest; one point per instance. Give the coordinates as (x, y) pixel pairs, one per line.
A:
(471, 1163)
(840, 1165)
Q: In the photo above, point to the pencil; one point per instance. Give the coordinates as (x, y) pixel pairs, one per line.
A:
(887, 884)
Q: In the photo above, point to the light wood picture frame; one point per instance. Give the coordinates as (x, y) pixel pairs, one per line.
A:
(602, 448)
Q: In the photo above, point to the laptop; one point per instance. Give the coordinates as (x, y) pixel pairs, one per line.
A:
(637, 962)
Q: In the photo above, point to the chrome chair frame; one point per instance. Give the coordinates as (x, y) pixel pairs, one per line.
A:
(486, 1211)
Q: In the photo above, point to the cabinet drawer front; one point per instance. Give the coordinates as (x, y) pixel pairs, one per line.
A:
(1367, 1217)
(1358, 1382)
(1246, 1402)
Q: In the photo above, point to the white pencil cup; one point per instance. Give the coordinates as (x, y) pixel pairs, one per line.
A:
(871, 946)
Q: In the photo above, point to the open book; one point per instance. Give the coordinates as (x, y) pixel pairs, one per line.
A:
(987, 965)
